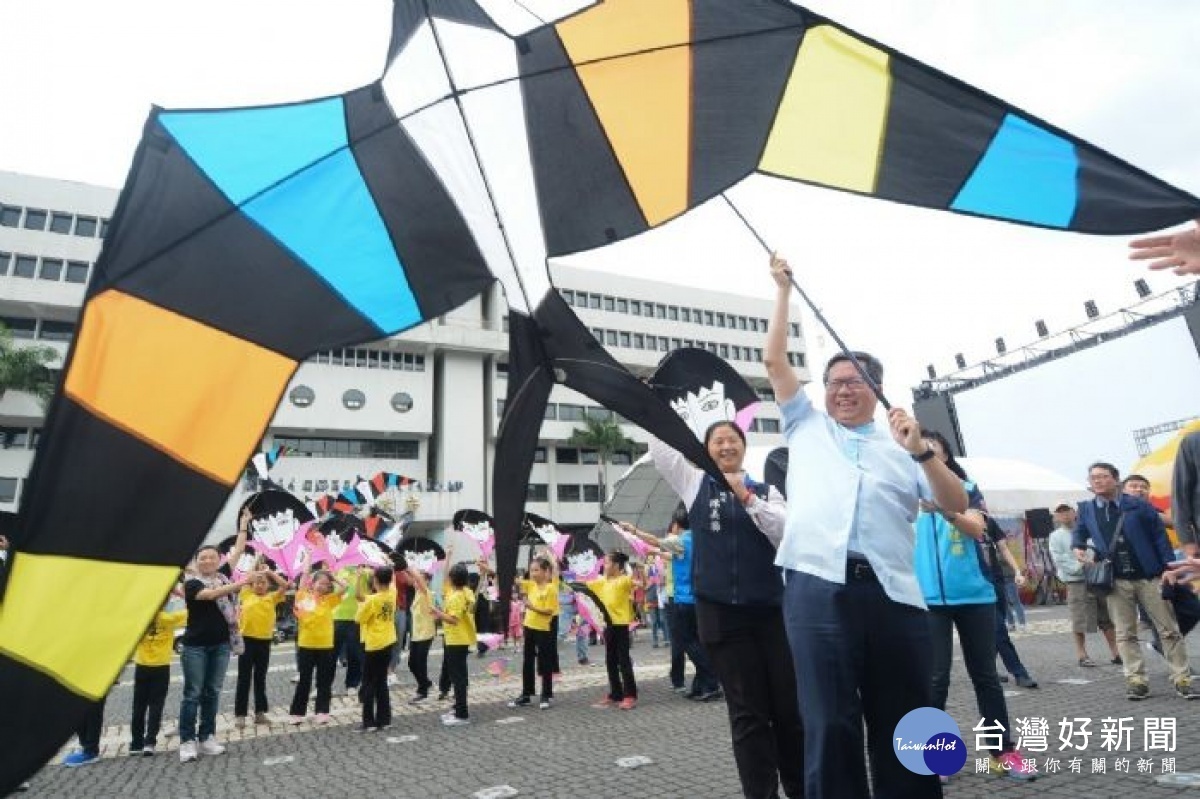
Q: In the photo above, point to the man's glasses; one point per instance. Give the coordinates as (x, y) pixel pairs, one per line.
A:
(851, 383)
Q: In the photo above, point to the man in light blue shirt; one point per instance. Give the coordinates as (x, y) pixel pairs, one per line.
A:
(855, 614)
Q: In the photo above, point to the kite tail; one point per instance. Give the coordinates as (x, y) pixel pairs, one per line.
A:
(553, 346)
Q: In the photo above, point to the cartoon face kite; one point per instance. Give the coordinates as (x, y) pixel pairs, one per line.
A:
(502, 133)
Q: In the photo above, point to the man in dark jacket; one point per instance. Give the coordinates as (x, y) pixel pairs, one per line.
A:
(1128, 532)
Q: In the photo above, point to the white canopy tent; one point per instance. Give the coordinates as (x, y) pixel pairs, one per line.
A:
(1012, 487)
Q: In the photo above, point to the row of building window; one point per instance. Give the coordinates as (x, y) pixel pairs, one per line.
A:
(33, 267)
(567, 492)
(352, 399)
(19, 437)
(401, 449)
(564, 412)
(40, 329)
(671, 313)
(63, 222)
(372, 359)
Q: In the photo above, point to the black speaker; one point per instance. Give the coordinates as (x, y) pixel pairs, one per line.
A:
(1040, 522)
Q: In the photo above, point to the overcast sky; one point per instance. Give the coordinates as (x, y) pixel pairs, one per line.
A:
(914, 286)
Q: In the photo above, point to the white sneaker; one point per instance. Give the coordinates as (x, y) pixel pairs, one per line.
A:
(187, 752)
(454, 721)
(209, 747)
(148, 750)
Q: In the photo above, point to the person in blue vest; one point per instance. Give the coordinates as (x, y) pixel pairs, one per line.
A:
(957, 586)
(736, 527)
(684, 635)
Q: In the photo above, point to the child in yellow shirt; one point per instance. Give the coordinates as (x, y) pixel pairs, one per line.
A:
(615, 590)
(320, 592)
(424, 627)
(459, 617)
(376, 617)
(152, 677)
(541, 608)
(257, 625)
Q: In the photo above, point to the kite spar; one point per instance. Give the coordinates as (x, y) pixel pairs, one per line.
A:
(870, 381)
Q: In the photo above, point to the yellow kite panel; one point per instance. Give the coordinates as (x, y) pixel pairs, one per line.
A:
(831, 123)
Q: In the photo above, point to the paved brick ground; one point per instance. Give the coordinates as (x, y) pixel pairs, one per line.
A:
(572, 749)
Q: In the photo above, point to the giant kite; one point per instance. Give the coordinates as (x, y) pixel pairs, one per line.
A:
(499, 135)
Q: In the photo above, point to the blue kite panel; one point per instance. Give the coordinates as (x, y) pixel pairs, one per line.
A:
(291, 171)
(327, 217)
(246, 150)
(1027, 174)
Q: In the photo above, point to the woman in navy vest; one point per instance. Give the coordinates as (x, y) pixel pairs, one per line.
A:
(736, 526)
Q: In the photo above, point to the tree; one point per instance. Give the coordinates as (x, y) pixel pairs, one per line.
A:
(25, 368)
(606, 437)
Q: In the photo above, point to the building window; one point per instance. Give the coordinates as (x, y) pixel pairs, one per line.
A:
(768, 425)
(5, 257)
(639, 341)
(538, 492)
(20, 328)
(57, 331)
(765, 394)
(570, 413)
(35, 219)
(353, 399)
(610, 337)
(624, 339)
(14, 437)
(51, 269)
(77, 272)
(720, 320)
(673, 313)
(736, 352)
(708, 318)
(85, 226)
(551, 411)
(10, 216)
(25, 266)
(568, 493)
(499, 407)
(724, 351)
(598, 334)
(402, 402)
(758, 354)
(676, 343)
(566, 455)
(8, 489)
(60, 222)
(660, 311)
(597, 413)
(686, 314)
(568, 296)
(662, 343)
(620, 459)
(794, 330)
(589, 457)
(302, 396)
(635, 307)
(539, 455)
(622, 306)
(609, 304)
(743, 324)
(594, 301)
(400, 449)
(591, 493)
